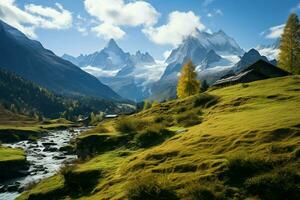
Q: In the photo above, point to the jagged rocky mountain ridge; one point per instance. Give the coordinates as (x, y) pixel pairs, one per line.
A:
(127, 74)
(212, 61)
(214, 55)
(112, 57)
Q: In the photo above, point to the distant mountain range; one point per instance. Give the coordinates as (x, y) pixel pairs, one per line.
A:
(125, 73)
(30, 60)
(112, 57)
(132, 76)
(215, 55)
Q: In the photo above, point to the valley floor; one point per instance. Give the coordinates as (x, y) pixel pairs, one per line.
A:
(15, 127)
(236, 142)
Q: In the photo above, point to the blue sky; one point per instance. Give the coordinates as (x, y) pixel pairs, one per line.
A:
(84, 26)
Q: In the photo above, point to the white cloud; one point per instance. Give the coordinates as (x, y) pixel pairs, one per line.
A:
(209, 15)
(215, 12)
(51, 18)
(108, 31)
(179, 26)
(270, 53)
(96, 71)
(296, 8)
(83, 25)
(34, 16)
(112, 14)
(274, 32)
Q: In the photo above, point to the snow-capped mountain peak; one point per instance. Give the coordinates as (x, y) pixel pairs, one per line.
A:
(140, 58)
(112, 46)
(220, 42)
(191, 48)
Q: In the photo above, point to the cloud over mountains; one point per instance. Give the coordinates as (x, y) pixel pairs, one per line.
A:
(35, 16)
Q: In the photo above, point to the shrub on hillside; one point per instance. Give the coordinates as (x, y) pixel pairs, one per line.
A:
(276, 185)
(79, 183)
(197, 191)
(164, 119)
(148, 187)
(101, 129)
(239, 168)
(127, 125)
(152, 135)
(205, 100)
(189, 118)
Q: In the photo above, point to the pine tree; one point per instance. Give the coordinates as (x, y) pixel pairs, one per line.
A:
(188, 83)
(289, 56)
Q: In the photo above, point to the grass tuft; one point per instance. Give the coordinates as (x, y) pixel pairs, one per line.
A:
(149, 187)
(152, 135)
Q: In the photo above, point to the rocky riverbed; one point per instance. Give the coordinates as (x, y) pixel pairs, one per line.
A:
(45, 157)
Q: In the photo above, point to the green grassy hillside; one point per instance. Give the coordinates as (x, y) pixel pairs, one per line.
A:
(11, 162)
(236, 142)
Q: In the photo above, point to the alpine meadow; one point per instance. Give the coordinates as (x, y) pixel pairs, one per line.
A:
(149, 100)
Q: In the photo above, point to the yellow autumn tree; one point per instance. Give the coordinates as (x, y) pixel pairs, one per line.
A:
(289, 56)
(188, 84)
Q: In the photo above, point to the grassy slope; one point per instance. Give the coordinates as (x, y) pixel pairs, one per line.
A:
(12, 121)
(10, 154)
(15, 127)
(260, 120)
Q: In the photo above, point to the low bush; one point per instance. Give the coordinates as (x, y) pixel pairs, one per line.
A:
(189, 118)
(199, 192)
(148, 187)
(127, 125)
(241, 167)
(276, 185)
(164, 119)
(80, 183)
(205, 100)
(152, 135)
(181, 110)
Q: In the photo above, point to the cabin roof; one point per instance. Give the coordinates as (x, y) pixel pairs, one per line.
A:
(261, 68)
(233, 78)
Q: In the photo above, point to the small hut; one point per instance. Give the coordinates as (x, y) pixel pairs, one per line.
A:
(257, 71)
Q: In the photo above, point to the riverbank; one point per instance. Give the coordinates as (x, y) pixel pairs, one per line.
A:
(45, 156)
(30, 130)
(13, 163)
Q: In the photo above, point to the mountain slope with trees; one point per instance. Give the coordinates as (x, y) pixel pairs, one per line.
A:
(30, 60)
(21, 96)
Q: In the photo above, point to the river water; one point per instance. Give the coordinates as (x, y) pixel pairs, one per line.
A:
(44, 157)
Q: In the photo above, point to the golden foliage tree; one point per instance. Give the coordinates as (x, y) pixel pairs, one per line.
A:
(289, 56)
(188, 84)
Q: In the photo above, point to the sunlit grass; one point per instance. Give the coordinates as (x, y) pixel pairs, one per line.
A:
(260, 121)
